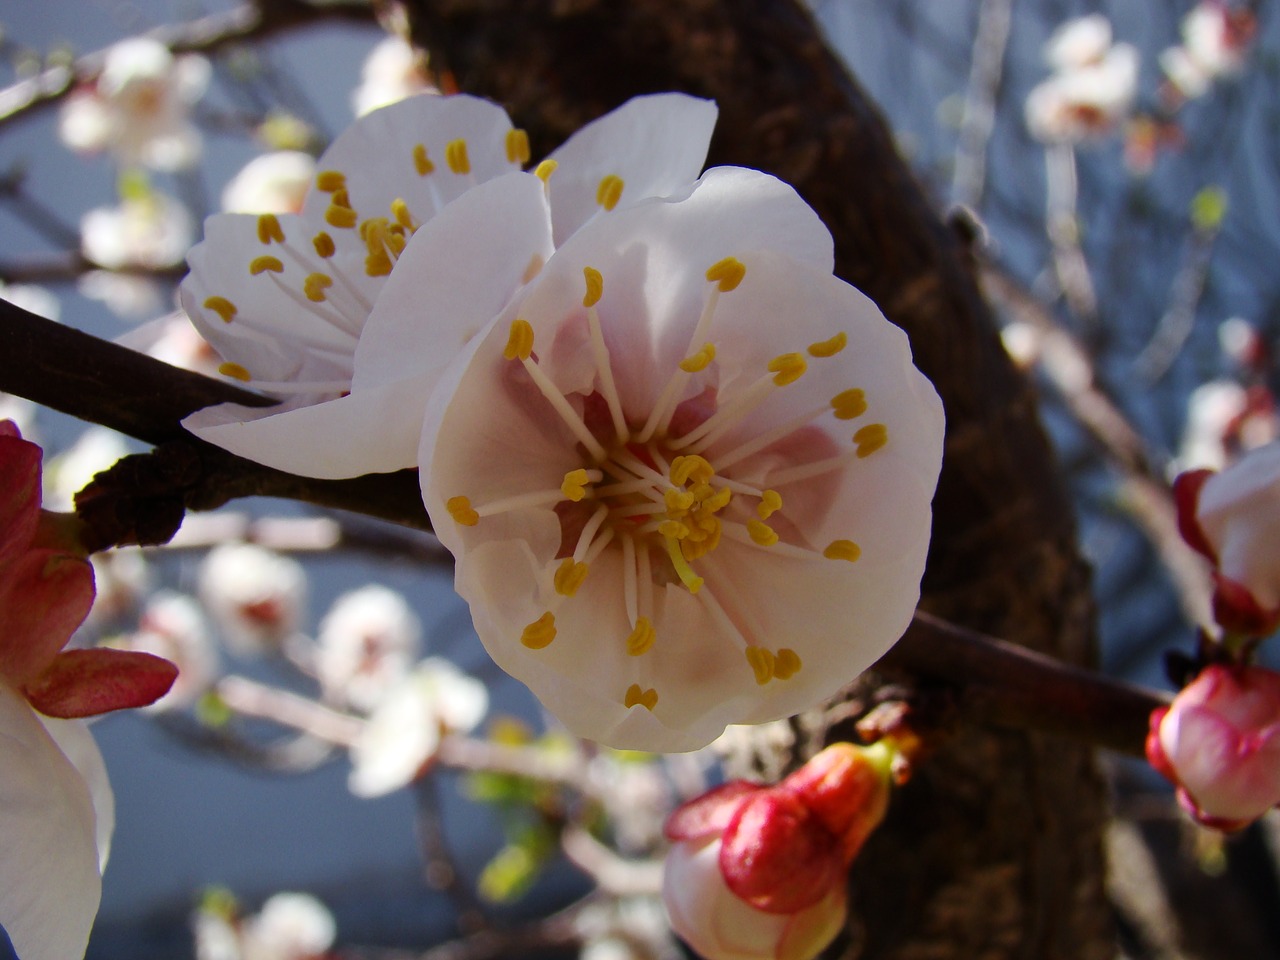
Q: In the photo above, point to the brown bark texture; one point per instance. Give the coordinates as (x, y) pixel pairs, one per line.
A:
(992, 850)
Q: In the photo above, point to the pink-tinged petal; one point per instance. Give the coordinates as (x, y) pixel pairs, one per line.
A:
(776, 856)
(1238, 511)
(49, 884)
(44, 596)
(1186, 497)
(333, 439)
(708, 813)
(19, 491)
(809, 931)
(85, 683)
(656, 145)
(454, 276)
(1237, 610)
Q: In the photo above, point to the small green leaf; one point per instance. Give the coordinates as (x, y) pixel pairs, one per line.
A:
(1209, 209)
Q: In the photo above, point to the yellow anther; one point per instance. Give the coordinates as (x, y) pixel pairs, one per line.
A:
(789, 367)
(545, 169)
(595, 286)
(421, 162)
(400, 210)
(455, 155)
(575, 483)
(727, 272)
(871, 438)
(235, 371)
(325, 247)
(685, 572)
(762, 533)
(699, 360)
(520, 342)
(762, 663)
(377, 264)
(330, 180)
(265, 265)
(786, 664)
(222, 307)
(770, 503)
(677, 501)
(462, 512)
(341, 198)
(673, 529)
(344, 218)
(540, 633)
(641, 639)
(829, 348)
(691, 466)
(718, 500)
(849, 404)
(842, 550)
(569, 576)
(517, 147)
(315, 285)
(269, 228)
(640, 698)
(610, 191)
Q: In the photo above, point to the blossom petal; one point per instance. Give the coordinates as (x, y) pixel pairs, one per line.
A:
(44, 596)
(76, 742)
(20, 482)
(85, 683)
(654, 144)
(50, 884)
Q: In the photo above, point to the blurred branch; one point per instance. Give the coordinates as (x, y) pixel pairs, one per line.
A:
(989, 45)
(255, 20)
(1063, 226)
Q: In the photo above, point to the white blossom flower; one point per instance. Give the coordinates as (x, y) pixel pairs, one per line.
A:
(274, 182)
(32, 298)
(129, 296)
(685, 473)
(95, 450)
(367, 642)
(139, 107)
(313, 307)
(1215, 44)
(174, 627)
(151, 231)
(256, 596)
(1077, 43)
(403, 733)
(392, 71)
(1086, 101)
(290, 926)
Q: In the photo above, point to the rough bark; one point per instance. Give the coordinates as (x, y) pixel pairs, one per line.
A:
(993, 850)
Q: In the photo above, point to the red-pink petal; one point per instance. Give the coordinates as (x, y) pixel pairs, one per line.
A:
(709, 813)
(44, 596)
(1186, 496)
(19, 493)
(84, 683)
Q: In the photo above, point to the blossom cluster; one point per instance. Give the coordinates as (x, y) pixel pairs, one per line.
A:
(1092, 86)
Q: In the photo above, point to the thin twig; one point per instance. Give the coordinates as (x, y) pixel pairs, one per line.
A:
(979, 118)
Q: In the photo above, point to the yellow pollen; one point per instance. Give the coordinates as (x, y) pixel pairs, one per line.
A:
(691, 466)
(727, 272)
(789, 367)
(871, 438)
(421, 162)
(673, 529)
(315, 285)
(545, 169)
(520, 342)
(269, 228)
(698, 361)
(762, 663)
(842, 550)
(540, 633)
(849, 404)
(235, 371)
(344, 218)
(330, 180)
(762, 533)
(400, 210)
(517, 147)
(682, 568)
(341, 198)
(377, 265)
(575, 482)
(455, 155)
(677, 501)
(595, 286)
(610, 191)
(829, 348)
(770, 503)
(222, 307)
(640, 698)
(325, 247)
(569, 576)
(462, 512)
(641, 639)
(786, 664)
(265, 264)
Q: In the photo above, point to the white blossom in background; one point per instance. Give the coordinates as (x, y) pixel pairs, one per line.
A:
(174, 626)
(290, 926)
(152, 231)
(95, 450)
(122, 577)
(256, 597)
(1211, 409)
(1092, 88)
(392, 71)
(403, 733)
(175, 341)
(22, 412)
(1215, 45)
(274, 182)
(310, 307)
(32, 298)
(365, 645)
(139, 107)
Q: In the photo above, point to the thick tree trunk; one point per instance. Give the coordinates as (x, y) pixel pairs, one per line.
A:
(993, 850)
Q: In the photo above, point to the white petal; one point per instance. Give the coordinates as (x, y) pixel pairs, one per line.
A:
(49, 879)
(77, 743)
(656, 144)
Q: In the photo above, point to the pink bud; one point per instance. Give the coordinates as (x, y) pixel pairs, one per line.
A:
(1219, 743)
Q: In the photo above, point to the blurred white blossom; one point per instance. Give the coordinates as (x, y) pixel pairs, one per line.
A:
(274, 182)
(122, 578)
(366, 644)
(1092, 88)
(32, 298)
(96, 449)
(256, 597)
(174, 627)
(151, 231)
(392, 71)
(290, 926)
(1215, 44)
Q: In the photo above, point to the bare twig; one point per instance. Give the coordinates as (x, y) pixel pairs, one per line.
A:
(989, 45)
